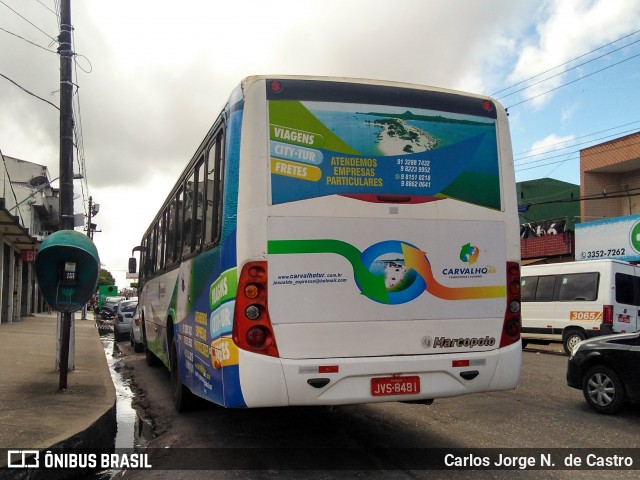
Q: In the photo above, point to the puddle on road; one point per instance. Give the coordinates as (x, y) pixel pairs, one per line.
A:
(133, 432)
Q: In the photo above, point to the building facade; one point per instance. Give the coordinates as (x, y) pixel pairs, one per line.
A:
(548, 210)
(29, 211)
(608, 194)
(610, 179)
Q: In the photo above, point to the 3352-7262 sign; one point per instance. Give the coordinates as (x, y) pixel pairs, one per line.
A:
(617, 238)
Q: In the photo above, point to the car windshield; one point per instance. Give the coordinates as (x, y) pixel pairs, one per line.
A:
(127, 307)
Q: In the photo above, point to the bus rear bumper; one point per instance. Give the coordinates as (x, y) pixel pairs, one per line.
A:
(268, 381)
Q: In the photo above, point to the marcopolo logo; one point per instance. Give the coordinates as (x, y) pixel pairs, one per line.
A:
(444, 342)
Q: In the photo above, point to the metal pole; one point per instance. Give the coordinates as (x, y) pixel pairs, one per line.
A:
(66, 160)
(89, 231)
(90, 235)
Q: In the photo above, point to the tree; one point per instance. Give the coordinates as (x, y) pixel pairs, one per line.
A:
(105, 278)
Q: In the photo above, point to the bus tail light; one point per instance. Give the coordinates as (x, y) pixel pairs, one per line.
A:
(607, 314)
(512, 320)
(252, 329)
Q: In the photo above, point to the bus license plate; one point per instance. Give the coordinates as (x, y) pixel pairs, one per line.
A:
(395, 386)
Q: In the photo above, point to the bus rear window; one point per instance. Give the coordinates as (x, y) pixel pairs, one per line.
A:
(320, 148)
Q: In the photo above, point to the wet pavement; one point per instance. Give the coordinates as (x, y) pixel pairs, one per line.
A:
(133, 432)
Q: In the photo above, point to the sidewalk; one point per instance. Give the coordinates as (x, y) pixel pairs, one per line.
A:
(34, 414)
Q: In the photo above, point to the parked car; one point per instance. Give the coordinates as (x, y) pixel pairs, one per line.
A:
(135, 332)
(607, 370)
(124, 316)
(110, 307)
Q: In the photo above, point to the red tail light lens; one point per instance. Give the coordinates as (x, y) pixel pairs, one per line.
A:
(512, 320)
(276, 86)
(257, 337)
(252, 329)
(607, 314)
(487, 105)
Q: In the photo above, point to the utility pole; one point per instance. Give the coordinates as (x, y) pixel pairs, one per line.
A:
(66, 161)
(90, 235)
(94, 208)
(89, 230)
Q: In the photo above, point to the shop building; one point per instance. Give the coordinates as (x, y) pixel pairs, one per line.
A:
(29, 211)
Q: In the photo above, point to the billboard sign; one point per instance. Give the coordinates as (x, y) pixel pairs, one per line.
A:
(617, 238)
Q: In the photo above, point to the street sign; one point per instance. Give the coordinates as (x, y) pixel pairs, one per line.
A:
(28, 256)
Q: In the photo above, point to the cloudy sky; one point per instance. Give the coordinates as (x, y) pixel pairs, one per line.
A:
(152, 75)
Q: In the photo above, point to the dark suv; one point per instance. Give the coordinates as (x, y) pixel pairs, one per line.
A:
(607, 370)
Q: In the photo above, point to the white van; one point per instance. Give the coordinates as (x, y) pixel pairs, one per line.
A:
(572, 301)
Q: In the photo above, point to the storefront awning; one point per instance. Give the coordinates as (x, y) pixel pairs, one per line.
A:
(14, 232)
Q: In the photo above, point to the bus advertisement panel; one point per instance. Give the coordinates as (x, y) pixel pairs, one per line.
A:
(320, 149)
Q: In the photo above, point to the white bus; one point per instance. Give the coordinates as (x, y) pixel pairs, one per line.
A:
(337, 241)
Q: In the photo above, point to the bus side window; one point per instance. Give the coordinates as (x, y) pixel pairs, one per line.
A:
(145, 268)
(177, 253)
(171, 233)
(198, 204)
(152, 251)
(213, 191)
(160, 243)
(187, 226)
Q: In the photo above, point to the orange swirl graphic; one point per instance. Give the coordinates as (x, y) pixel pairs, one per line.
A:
(417, 259)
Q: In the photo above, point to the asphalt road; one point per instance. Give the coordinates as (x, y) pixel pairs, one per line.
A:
(540, 416)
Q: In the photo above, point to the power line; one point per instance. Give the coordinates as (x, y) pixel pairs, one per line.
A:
(586, 155)
(27, 91)
(528, 166)
(614, 135)
(576, 138)
(565, 71)
(4, 161)
(565, 63)
(573, 81)
(52, 11)
(78, 131)
(28, 41)
(586, 198)
(30, 23)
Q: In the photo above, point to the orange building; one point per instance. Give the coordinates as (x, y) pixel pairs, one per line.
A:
(610, 179)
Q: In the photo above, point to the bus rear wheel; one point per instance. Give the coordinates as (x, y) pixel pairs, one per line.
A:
(182, 397)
